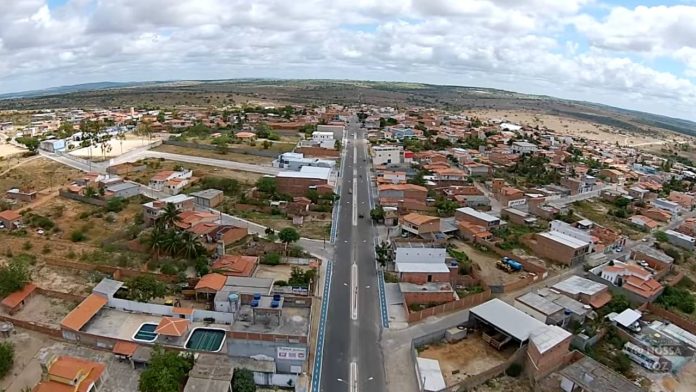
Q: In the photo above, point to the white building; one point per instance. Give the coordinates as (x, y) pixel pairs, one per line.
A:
(573, 232)
(664, 204)
(523, 147)
(295, 161)
(382, 155)
(324, 139)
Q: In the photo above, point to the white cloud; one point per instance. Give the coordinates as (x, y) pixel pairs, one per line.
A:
(514, 44)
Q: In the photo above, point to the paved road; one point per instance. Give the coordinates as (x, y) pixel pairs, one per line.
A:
(351, 358)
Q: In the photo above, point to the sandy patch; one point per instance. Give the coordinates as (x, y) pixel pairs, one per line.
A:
(9, 149)
(114, 149)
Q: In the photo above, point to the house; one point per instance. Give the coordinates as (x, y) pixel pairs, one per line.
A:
(638, 193)
(588, 375)
(657, 214)
(655, 258)
(235, 265)
(685, 200)
(421, 264)
(643, 222)
(418, 224)
(391, 177)
(523, 147)
(449, 175)
(402, 192)
(584, 290)
(560, 247)
(474, 169)
(245, 136)
(681, 240)
(188, 219)
(637, 283)
(468, 214)
(216, 237)
(295, 161)
(211, 373)
(171, 181)
(669, 206)
(518, 217)
(53, 145)
(208, 198)
(473, 232)
(153, 209)
(66, 373)
(507, 195)
(297, 183)
(16, 300)
(502, 324)
(124, 190)
(612, 175)
(10, 220)
(385, 155)
(25, 195)
(553, 308)
(325, 139)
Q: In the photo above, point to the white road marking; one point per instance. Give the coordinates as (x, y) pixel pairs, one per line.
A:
(354, 376)
(354, 293)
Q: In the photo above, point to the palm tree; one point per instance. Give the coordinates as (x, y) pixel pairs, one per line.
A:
(190, 247)
(169, 216)
(170, 243)
(156, 241)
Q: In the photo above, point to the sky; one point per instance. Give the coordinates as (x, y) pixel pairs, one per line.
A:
(633, 54)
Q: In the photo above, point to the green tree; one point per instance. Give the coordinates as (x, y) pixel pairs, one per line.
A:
(91, 192)
(267, 185)
(169, 216)
(377, 213)
(166, 371)
(243, 380)
(382, 252)
(144, 129)
(266, 144)
(115, 204)
(13, 276)
(156, 241)
(661, 236)
(145, 287)
(31, 143)
(271, 258)
(160, 117)
(618, 304)
(6, 358)
(189, 246)
(288, 235)
(446, 207)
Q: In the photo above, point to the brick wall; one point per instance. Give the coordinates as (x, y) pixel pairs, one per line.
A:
(422, 277)
(674, 318)
(60, 295)
(428, 297)
(317, 152)
(88, 200)
(297, 186)
(117, 272)
(463, 303)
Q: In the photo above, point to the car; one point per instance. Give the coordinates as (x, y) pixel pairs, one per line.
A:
(361, 216)
(644, 240)
(40, 231)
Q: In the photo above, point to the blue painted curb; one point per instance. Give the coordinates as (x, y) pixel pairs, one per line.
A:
(318, 354)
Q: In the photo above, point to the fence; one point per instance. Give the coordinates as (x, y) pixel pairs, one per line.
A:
(84, 199)
(466, 302)
(60, 295)
(516, 285)
(239, 149)
(35, 326)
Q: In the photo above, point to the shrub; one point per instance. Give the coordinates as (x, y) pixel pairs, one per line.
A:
(168, 269)
(514, 370)
(27, 245)
(77, 236)
(271, 258)
(6, 358)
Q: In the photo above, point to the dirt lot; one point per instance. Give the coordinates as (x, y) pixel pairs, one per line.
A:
(115, 148)
(37, 174)
(8, 150)
(505, 384)
(469, 356)
(26, 371)
(156, 165)
(598, 211)
(277, 272)
(573, 127)
(316, 229)
(62, 279)
(489, 272)
(230, 156)
(45, 309)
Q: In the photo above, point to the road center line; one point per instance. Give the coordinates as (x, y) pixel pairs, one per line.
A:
(354, 376)
(354, 292)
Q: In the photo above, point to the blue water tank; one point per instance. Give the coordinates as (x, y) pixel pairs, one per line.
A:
(233, 297)
(275, 304)
(257, 296)
(276, 297)
(255, 303)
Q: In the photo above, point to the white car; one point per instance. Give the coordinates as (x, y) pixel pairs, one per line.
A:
(40, 231)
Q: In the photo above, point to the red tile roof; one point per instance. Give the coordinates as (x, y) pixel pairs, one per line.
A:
(235, 265)
(70, 368)
(14, 299)
(170, 326)
(213, 282)
(124, 348)
(84, 312)
(10, 215)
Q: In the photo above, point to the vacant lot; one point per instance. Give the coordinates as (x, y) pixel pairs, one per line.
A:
(45, 309)
(277, 272)
(8, 150)
(156, 165)
(507, 384)
(113, 148)
(573, 127)
(230, 156)
(37, 174)
(490, 274)
(599, 211)
(317, 229)
(467, 357)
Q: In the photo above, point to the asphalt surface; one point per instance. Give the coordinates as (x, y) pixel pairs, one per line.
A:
(351, 358)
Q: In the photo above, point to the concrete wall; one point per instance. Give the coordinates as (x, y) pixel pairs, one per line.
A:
(248, 348)
(422, 277)
(427, 297)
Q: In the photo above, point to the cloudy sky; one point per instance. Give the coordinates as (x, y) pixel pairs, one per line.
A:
(633, 54)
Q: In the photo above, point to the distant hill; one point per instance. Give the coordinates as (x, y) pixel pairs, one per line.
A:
(206, 93)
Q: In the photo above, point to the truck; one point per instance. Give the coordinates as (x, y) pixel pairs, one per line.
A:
(509, 265)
